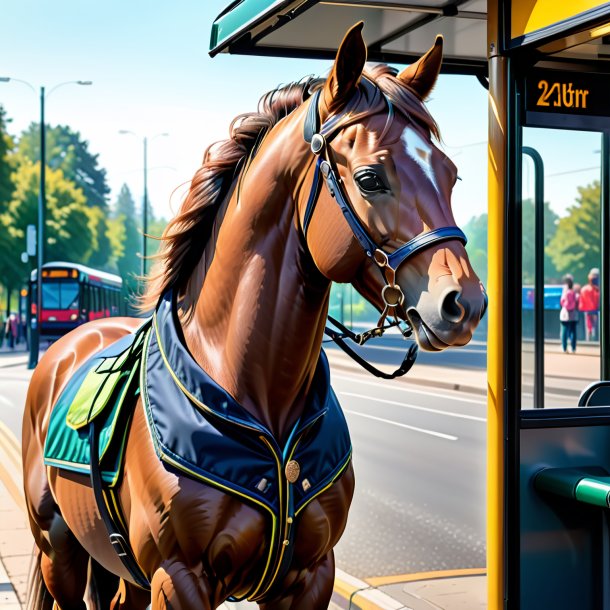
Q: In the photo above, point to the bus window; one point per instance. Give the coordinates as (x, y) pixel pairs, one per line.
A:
(565, 353)
(59, 295)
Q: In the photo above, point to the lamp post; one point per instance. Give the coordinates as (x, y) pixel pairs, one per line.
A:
(36, 322)
(145, 197)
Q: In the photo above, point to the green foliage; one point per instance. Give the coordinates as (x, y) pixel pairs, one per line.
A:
(476, 232)
(66, 150)
(68, 222)
(127, 240)
(576, 246)
(11, 268)
(528, 253)
(6, 146)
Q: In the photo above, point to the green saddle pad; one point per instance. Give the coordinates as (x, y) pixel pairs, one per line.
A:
(104, 389)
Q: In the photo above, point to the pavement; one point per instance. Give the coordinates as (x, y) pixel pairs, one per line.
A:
(446, 590)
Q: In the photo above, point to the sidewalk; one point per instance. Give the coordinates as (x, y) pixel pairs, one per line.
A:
(566, 374)
(18, 356)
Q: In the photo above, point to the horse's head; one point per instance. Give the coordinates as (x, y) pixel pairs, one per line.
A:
(384, 222)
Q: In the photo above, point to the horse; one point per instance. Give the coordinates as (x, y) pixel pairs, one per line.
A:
(333, 180)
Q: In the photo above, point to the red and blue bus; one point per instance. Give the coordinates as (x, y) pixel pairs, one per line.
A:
(73, 294)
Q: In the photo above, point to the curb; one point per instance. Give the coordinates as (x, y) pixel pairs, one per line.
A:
(337, 362)
(351, 593)
(421, 381)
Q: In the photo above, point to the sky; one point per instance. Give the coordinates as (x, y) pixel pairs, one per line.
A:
(152, 74)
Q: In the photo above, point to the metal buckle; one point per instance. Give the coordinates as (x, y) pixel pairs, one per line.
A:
(381, 258)
(119, 543)
(317, 143)
(392, 296)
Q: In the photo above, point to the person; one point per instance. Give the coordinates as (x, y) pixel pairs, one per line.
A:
(568, 315)
(11, 330)
(588, 303)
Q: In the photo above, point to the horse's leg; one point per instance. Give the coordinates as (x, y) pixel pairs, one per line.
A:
(129, 597)
(38, 596)
(176, 587)
(102, 587)
(64, 569)
(310, 590)
(109, 592)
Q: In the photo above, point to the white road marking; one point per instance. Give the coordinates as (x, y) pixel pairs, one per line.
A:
(416, 407)
(376, 384)
(447, 437)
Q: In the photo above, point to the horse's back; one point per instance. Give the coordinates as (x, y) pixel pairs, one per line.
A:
(56, 367)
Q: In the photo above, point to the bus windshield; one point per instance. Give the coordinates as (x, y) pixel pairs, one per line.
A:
(60, 295)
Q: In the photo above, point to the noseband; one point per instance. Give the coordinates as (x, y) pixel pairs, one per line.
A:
(319, 136)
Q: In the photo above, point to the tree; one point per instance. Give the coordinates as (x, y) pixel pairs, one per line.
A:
(11, 269)
(68, 222)
(528, 215)
(6, 145)
(127, 260)
(576, 246)
(476, 232)
(66, 150)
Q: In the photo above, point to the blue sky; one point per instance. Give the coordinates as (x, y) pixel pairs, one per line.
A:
(151, 74)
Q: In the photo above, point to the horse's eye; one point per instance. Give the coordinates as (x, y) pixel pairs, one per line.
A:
(369, 181)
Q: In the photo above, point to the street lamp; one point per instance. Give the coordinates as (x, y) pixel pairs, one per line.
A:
(36, 323)
(145, 198)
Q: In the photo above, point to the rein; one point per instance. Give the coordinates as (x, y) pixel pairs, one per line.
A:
(318, 136)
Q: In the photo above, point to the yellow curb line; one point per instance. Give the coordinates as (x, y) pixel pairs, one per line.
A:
(379, 581)
(10, 436)
(11, 445)
(12, 487)
(353, 594)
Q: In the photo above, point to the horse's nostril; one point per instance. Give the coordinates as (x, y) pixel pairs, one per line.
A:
(451, 309)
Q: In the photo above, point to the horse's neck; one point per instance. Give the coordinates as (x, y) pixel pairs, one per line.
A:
(259, 320)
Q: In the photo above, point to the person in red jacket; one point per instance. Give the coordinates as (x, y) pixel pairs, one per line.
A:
(589, 305)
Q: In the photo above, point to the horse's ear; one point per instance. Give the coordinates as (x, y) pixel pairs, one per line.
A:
(421, 76)
(346, 72)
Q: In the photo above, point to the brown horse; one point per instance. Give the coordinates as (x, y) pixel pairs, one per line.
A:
(252, 260)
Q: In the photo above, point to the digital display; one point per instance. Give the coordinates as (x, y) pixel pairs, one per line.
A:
(577, 97)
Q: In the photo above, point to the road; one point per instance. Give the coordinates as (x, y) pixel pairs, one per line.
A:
(391, 349)
(419, 457)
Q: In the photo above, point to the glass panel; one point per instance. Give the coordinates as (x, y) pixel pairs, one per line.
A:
(50, 296)
(69, 295)
(60, 295)
(572, 246)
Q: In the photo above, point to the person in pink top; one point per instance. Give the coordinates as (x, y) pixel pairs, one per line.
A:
(588, 303)
(568, 315)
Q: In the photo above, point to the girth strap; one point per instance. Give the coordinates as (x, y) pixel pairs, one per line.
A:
(119, 543)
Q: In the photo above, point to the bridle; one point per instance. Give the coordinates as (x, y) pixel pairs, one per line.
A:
(319, 136)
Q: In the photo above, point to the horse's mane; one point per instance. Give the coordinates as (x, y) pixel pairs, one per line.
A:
(184, 239)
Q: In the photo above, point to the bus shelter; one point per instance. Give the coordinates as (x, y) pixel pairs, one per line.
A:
(546, 66)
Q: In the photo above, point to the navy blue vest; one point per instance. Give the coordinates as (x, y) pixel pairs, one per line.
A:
(201, 430)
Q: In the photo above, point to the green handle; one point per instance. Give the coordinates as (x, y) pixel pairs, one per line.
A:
(590, 485)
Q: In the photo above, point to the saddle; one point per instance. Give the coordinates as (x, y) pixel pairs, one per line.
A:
(226, 447)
